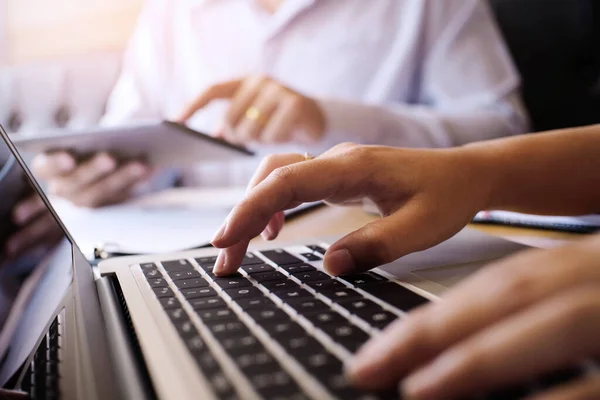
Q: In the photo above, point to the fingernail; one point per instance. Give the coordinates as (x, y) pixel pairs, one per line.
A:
(339, 262)
(105, 163)
(66, 163)
(414, 388)
(367, 357)
(267, 234)
(221, 263)
(426, 382)
(219, 234)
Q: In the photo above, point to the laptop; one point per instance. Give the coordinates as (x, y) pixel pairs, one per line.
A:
(163, 326)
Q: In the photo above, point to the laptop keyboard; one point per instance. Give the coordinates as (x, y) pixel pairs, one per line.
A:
(278, 321)
(280, 328)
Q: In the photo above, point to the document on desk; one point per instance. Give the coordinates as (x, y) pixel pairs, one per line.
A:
(140, 229)
(581, 224)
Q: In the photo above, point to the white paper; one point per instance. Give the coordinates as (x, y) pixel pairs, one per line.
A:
(509, 217)
(139, 228)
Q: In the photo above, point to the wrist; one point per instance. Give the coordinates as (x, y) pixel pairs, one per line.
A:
(482, 172)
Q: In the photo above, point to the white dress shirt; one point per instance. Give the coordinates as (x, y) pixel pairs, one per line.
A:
(413, 73)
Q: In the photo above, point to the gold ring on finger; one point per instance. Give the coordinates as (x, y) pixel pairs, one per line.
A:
(308, 157)
(254, 114)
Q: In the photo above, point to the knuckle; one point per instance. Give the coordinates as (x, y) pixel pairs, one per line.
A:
(359, 153)
(283, 174)
(294, 101)
(512, 284)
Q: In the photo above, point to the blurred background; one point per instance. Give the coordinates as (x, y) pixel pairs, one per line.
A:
(60, 59)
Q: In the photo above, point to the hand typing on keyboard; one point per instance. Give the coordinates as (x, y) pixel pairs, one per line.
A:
(523, 318)
(405, 185)
(517, 321)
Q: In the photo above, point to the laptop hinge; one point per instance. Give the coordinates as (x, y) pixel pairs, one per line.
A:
(130, 371)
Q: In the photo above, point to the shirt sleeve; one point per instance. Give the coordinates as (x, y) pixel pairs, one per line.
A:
(136, 93)
(468, 88)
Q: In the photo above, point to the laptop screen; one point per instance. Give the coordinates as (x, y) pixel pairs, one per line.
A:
(36, 267)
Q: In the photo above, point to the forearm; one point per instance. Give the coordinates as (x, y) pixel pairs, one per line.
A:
(554, 173)
(402, 125)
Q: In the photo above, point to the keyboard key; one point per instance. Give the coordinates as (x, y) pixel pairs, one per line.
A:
(191, 283)
(251, 259)
(207, 362)
(186, 329)
(377, 277)
(274, 286)
(277, 383)
(195, 344)
(206, 262)
(152, 273)
(221, 386)
(326, 284)
(148, 266)
(316, 249)
(308, 305)
(196, 293)
(299, 344)
(177, 265)
(322, 318)
(378, 318)
(290, 294)
(207, 268)
(256, 268)
(295, 268)
(319, 361)
(244, 293)
(258, 361)
(177, 315)
(269, 276)
(232, 282)
(337, 295)
(311, 257)
(360, 279)
(241, 344)
(177, 275)
(216, 314)
(349, 336)
(311, 276)
(396, 295)
(283, 328)
(265, 314)
(163, 292)
(359, 305)
(227, 328)
(281, 257)
(205, 303)
(169, 303)
(158, 282)
(338, 384)
(258, 302)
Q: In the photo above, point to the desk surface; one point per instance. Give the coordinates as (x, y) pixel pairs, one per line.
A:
(337, 221)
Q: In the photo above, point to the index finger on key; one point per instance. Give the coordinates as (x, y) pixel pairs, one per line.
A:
(283, 188)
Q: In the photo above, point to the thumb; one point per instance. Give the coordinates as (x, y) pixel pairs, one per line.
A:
(383, 241)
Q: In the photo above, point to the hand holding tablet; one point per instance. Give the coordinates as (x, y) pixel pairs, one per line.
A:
(104, 165)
